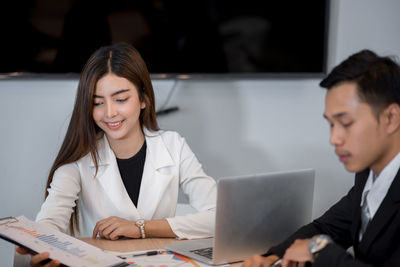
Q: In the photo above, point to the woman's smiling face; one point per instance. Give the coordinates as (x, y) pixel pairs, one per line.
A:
(117, 107)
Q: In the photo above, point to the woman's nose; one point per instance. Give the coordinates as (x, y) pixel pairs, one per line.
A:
(111, 110)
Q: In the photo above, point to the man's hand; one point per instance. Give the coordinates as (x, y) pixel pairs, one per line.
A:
(260, 261)
(36, 260)
(297, 254)
(115, 227)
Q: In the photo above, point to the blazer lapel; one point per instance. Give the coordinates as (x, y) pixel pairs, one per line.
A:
(110, 179)
(154, 181)
(383, 216)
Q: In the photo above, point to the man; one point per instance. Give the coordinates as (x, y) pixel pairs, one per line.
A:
(362, 106)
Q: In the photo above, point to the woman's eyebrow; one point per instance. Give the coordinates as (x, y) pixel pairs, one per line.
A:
(120, 92)
(114, 94)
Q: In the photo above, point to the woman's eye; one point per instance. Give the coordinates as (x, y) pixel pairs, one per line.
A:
(97, 104)
(122, 100)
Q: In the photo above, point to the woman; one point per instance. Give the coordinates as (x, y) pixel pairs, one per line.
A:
(116, 174)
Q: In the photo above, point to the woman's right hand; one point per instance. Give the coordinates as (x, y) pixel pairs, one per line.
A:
(37, 259)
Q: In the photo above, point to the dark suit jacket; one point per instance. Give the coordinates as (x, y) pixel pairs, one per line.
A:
(380, 245)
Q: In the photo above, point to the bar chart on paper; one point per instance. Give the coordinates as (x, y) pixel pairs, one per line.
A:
(66, 249)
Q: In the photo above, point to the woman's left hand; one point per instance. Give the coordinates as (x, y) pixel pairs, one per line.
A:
(115, 227)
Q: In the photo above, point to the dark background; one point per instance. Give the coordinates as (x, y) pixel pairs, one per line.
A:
(182, 36)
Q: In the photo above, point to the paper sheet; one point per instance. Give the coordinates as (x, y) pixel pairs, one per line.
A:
(65, 248)
(164, 258)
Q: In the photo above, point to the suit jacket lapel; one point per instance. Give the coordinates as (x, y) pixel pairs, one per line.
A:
(360, 181)
(383, 216)
(154, 181)
(110, 179)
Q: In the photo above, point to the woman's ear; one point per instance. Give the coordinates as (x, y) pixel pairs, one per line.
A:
(143, 102)
(143, 105)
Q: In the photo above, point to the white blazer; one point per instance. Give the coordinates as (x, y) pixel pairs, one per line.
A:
(169, 165)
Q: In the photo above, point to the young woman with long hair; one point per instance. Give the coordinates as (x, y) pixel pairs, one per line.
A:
(116, 174)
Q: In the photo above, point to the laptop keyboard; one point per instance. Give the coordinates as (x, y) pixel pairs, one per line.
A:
(205, 252)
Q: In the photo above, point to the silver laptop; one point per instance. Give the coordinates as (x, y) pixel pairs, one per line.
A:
(254, 212)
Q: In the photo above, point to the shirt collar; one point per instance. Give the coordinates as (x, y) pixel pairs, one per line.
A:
(378, 186)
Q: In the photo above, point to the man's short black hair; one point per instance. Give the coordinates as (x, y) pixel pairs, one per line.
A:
(377, 78)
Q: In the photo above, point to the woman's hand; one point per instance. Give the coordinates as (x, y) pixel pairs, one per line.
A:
(38, 259)
(260, 261)
(115, 227)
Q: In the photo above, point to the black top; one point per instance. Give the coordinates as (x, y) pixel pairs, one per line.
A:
(131, 171)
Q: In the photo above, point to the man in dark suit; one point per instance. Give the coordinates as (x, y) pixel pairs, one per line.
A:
(362, 106)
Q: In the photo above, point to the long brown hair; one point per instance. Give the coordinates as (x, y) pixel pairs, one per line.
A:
(82, 134)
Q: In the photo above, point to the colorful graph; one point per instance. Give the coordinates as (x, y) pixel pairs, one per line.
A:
(183, 258)
(68, 250)
(51, 240)
(175, 260)
(29, 232)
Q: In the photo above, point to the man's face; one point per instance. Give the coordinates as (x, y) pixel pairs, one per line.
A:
(358, 138)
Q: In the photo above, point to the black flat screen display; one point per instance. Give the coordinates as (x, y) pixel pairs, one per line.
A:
(174, 37)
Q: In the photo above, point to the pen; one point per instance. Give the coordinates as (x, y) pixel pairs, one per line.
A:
(147, 253)
(277, 263)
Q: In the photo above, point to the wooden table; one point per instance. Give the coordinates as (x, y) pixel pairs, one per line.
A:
(126, 245)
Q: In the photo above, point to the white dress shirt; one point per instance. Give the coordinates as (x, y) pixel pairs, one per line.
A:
(378, 186)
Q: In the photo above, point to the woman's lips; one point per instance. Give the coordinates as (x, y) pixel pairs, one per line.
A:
(114, 125)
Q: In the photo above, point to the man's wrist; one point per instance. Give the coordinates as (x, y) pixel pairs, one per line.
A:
(318, 243)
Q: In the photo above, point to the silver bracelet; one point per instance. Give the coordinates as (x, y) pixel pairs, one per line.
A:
(140, 223)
